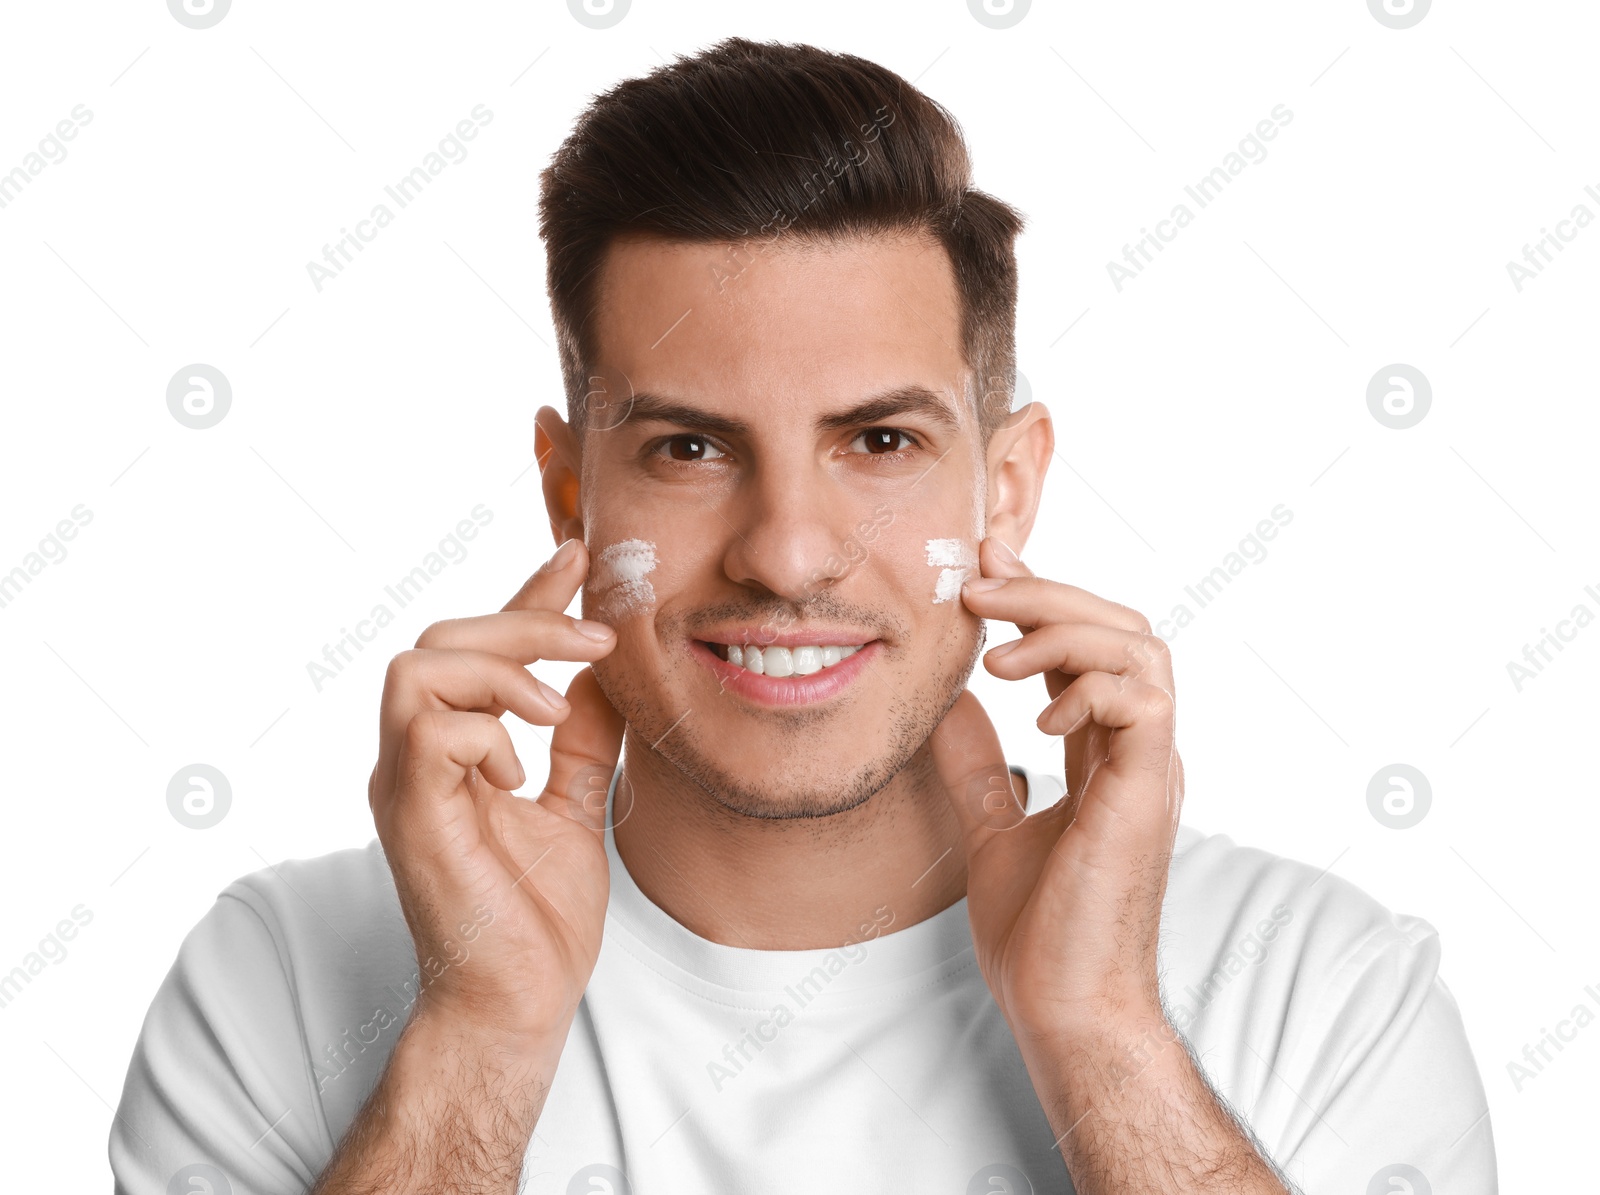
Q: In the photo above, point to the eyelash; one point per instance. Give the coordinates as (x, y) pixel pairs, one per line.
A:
(655, 449)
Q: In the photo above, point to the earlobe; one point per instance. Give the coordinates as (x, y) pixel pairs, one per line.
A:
(1019, 457)
(555, 448)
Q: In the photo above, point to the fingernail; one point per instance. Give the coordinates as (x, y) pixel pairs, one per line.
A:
(593, 630)
(984, 584)
(564, 555)
(1004, 549)
(522, 774)
(1003, 648)
(550, 694)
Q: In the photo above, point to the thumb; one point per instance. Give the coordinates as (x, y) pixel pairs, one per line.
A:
(583, 754)
(972, 768)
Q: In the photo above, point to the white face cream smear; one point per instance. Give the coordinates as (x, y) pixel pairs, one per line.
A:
(619, 576)
(956, 560)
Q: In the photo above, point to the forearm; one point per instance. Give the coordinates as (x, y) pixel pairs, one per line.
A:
(452, 1112)
(1131, 1112)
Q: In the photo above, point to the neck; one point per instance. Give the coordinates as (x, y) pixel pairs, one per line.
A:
(787, 883)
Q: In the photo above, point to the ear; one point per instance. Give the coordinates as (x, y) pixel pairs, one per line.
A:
(1018, 458)
(555, 447)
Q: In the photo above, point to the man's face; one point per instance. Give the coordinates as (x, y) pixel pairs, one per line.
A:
(768, 508)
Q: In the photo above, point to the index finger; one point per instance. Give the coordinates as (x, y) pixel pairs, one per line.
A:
(1029, 601)
(556, 582)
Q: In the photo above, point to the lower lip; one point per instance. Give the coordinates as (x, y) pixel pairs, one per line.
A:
(786, 690)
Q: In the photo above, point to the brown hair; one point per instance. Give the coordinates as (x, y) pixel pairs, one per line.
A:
(747, 140)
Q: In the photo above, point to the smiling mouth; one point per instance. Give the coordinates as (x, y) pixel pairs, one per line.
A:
(784, 661)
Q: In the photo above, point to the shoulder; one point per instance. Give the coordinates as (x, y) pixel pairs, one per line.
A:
(1311, 1004)
(318, 951)
(1252, 939)
(1230, 906)
(312, 904)
(270, 1008)
(1227, 898)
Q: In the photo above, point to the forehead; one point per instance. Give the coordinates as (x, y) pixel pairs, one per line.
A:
(783, 321)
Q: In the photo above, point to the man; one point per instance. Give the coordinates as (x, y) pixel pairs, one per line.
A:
(804, 937)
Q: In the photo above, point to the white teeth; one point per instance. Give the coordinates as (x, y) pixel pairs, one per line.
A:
(784, 661)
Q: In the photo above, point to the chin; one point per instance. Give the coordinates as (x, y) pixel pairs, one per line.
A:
(775, 790)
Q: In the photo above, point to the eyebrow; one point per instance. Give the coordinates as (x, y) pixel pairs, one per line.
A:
(891, 404)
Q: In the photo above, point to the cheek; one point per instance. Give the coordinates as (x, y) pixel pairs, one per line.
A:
(956, 559)
(932, 540)
(619, 584)
(928, 562)
(633, 670)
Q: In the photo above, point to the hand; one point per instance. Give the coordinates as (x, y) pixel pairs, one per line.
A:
(1066, 905)
(505, 897)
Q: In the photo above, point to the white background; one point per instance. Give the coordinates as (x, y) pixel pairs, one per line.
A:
(1230, 376)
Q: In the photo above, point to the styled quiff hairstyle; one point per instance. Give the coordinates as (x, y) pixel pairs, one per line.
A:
(753, 140)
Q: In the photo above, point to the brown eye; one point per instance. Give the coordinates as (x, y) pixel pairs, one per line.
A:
(689, 449)
(881, 440)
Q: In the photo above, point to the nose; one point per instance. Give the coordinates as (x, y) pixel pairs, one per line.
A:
(793, 536)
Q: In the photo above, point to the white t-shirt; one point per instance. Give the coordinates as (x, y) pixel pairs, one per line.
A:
(882, 1065)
